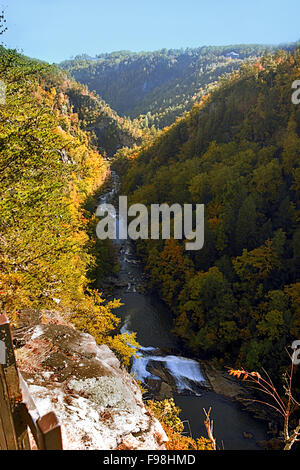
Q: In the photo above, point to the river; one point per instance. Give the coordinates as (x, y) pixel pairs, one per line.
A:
(161, 360)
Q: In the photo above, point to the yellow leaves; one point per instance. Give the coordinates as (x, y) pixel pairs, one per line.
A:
(213, 222)
(257, 264)
(204, 444)
(124, 346)
(237, 373)
(244, 374)
(94, 315)
(168, 414)
(13, 294)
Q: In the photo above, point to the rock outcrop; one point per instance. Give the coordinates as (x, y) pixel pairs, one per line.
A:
(98, 403)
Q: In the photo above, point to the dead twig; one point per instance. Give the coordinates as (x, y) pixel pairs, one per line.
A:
(209, 424)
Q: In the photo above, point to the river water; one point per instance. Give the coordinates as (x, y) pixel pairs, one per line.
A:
(161, 359)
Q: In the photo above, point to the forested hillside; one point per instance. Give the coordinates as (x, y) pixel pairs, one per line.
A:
(159, 85)
(237, 152)
(50, 171)
(110, 132)
(117, 331)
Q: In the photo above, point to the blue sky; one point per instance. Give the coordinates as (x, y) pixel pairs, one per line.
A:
(55, 30)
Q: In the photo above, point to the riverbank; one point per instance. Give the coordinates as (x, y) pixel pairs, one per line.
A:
(223, 384)
(164, 363)
(165, 367)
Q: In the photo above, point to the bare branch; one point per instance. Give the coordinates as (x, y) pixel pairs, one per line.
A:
(209, 424)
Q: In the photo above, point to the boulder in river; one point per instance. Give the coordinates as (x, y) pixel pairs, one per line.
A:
(165, 391)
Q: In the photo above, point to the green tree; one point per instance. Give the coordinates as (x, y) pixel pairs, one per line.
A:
(246, 225)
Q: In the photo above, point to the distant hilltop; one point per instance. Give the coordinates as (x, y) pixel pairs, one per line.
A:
(161, 85)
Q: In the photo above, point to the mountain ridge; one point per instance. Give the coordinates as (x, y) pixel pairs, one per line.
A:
(163, 84)
(236, 152)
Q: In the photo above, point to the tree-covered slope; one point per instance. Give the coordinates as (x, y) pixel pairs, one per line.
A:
(162, 84)
(49, 173)
(238, 152)
(110, 131)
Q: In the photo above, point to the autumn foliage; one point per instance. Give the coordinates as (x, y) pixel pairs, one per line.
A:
(50, 171)
(236, 152)
(168, 414)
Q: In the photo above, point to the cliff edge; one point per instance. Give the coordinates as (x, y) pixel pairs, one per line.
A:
(98, 402)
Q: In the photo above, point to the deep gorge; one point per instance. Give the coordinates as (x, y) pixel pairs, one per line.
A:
(160, 365)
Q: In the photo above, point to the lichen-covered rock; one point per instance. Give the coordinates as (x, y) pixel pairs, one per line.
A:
(98, 403)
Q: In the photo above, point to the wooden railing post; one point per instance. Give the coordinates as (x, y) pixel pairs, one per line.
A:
(50, 432)
(8, 438)
(13, 430)
(17, 408)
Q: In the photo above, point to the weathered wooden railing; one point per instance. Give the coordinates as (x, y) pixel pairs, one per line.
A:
(17, 409)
